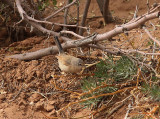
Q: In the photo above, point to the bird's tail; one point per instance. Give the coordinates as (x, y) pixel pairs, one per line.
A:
(58, 44)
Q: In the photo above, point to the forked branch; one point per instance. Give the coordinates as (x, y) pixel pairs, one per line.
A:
(137, 22)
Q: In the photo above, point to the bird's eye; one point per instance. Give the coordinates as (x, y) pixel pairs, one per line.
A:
(80, 63)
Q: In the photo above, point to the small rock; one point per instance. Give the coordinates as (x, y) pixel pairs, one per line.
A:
(23, 95)
(62, 99)
(39, 105)
(22, 102)
(31, 103)
(35, 97)
(96, 53)
(1, 111)
(52, 102)
(22, 107)
(10, 96)
(53, 112)
(34, 62)
(39, 73)
(2, 97)
(19, 78)
(29, 70)
(29, 78)
(16, 52)
(48, 107)
(48, 76)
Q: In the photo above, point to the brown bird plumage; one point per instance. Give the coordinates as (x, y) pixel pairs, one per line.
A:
(68, 63)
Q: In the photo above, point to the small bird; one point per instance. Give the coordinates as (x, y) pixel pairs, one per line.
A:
(68, 63)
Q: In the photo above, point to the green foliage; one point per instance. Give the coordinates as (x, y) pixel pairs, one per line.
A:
(153, 91)
(108, 72)
(92, 83)
(119, 70)
(150, 43)
(124, 69)
(54, 2)
(140, 116)
(45, 3)
(70, 1)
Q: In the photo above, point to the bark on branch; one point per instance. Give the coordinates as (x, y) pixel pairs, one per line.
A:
(79, 42)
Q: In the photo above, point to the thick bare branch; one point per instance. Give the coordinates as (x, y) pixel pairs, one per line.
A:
(127, 27)
(33, 22)
(76, 43)
(65, 15)
(53, 50)
(84, 16)
(104, 8)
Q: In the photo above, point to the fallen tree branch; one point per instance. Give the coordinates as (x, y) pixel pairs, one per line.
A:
(53, 49)
(128, 54)
(33, 22)
(128, 27)
(80, 42)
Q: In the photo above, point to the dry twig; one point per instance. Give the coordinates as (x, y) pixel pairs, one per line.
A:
(101, 95)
